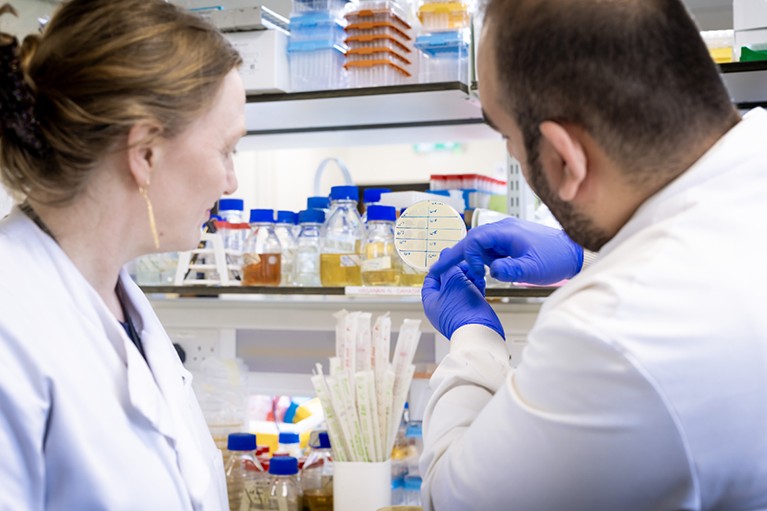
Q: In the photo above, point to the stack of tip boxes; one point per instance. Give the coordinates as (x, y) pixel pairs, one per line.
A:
(444, 43)
(316, 49)
(380, 44)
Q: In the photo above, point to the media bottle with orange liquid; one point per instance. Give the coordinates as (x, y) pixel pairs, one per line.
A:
(261, 258)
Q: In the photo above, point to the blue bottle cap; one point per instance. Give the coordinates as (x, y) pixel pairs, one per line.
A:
(344, 192)
(261, 215)
(411, 483)
(287, 437)
(316, 216)
(286, 217)
(231, 205)
(324, 440)
(241, 442)
(283, 465)
(373, 194)
(317, 203)
(385, 213)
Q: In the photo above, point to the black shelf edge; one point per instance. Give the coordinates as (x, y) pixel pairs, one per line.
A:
(214, 291)
(742, 67)
(362, 127)
(362, 91)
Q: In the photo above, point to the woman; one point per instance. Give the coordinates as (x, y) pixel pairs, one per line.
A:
(118, 138)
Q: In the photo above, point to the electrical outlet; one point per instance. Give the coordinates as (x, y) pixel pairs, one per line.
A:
(197, 344)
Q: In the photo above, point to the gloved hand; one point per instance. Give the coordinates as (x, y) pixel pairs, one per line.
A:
(516, 251)
(452, 300)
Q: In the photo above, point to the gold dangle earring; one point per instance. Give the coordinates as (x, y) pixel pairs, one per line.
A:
(150, 212)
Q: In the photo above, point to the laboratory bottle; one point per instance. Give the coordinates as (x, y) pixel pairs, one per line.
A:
(261, 265)
(381, 265)
(317, 476)
(283, 229)
(231, 213)
(370, 197)
(322, 203)
(284, 489)
(246, 481)
(306, 270)
(342, 236)
(289, 444)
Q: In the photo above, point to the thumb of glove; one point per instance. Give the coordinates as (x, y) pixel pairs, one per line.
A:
(519, 269)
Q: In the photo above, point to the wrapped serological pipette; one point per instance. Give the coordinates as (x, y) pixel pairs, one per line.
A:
(364, 393)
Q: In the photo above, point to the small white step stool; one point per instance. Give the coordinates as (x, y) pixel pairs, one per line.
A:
(213, 247)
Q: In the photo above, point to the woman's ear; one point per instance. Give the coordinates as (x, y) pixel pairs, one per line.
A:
(565, 142)
(142, 151)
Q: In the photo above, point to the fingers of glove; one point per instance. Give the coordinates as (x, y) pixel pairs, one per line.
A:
(523, 269)
(448, 258)
(478, 282)
(482, 246)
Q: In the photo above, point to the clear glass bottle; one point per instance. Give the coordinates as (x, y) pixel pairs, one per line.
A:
(289, 444)
(307, 264)
(246, 481)
(283, 229)
(284, 489)
(233, 236)
(370, 197)
(342, 236)
(261, 265)
(381, 265)
(317, 476)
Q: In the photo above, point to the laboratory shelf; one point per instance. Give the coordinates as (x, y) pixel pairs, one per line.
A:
(349, 292)
(746, 82)
(364, 116)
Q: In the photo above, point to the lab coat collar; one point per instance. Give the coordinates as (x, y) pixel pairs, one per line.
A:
(742, 143)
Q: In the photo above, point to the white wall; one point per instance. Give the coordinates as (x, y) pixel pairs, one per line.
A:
(26, 23)
(283, 179)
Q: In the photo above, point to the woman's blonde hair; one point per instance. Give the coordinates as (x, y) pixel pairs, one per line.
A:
(100, 67)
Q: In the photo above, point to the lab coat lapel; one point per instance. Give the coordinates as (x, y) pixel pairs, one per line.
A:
(174, 382)
(144, 395)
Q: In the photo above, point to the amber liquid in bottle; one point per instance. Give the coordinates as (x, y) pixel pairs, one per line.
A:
(413, 279)
(261, 270)
(318, 500)
(381, 265)
(340, 270)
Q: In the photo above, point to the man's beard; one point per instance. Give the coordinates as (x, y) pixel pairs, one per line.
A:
(578, 227)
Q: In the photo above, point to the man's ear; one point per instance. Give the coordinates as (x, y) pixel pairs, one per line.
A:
(142, 151)
(571, 152)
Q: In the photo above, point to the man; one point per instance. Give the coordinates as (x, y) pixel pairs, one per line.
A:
(643, 385)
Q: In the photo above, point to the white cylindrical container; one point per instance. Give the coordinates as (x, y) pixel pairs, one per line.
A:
(361, 486)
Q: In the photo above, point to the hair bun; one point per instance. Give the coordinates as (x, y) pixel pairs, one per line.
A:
(18, 123)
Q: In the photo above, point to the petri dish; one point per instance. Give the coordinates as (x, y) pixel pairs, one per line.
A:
(424, 230)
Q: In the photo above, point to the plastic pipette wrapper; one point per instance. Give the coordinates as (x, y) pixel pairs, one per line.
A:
(364, 393)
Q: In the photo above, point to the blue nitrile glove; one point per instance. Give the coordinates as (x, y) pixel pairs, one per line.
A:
(516, 251)
(451, 300)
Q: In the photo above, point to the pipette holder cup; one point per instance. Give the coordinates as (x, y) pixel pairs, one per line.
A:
(361, 486)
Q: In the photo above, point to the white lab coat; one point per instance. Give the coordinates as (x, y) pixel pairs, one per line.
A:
(84, 423)
(643, 385)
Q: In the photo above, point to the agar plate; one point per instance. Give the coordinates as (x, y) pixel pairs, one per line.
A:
(424, 230)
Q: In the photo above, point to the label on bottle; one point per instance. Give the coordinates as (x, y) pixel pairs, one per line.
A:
(350, 260)
(377, 264)
(251, 259)
(249, 498)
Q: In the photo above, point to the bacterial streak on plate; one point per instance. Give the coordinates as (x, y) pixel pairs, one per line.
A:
(424, 230)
